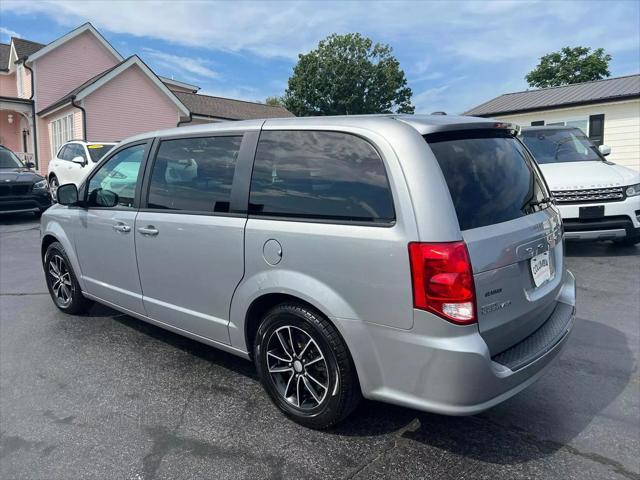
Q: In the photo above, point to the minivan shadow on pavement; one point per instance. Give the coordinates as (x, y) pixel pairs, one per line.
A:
(534, 424)
(548, 415)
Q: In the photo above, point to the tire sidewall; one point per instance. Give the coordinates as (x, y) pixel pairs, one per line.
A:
(76, 294)
(286, 315)
(54, 191)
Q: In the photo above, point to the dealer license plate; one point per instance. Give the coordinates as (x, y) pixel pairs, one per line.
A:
(540, 268)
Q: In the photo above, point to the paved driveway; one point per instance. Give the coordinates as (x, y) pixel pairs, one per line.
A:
(108, 396)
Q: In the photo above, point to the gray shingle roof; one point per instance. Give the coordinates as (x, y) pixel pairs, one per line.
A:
(546, 98)
(24, 48)
(5, 51)
(229, 109)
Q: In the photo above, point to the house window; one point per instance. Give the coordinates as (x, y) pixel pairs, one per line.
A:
(581, 123)
(596, 129)
(61, 132)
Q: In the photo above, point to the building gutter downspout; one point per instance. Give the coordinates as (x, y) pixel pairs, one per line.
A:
(181, 122)
(84, 117)
(33, 113)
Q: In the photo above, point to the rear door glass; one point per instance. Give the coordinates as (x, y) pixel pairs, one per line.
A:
(320, 175)
(489, 175)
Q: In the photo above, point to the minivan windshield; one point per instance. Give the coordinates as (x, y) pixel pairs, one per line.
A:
(490, 176)
(557, 145)
(8, 159)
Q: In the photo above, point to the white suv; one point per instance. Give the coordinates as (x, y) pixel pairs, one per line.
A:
(598, 199)
(74, 160)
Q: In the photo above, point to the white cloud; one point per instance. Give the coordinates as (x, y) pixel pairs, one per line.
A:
(5, 32)
(429, 100)
(493, 44)
(242, 92)
(196, 67)
(473, 31)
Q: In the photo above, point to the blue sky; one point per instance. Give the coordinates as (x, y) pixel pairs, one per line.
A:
(455, 54)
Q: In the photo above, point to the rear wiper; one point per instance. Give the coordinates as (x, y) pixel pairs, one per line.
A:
(545, 200)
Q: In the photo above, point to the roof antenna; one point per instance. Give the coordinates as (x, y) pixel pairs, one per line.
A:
(438, 113)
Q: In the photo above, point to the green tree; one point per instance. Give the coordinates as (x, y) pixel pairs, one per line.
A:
(273, 101)
(570, 65)
(345, 75)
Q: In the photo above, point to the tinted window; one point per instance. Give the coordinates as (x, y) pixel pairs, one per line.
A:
(194, 174)
(489, 176)
(97, 151)
(560, 145)
(62, 154)
(326, 175)
(8, 159)
(119, 175)
(75, 150)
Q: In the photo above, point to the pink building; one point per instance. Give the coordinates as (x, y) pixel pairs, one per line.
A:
(79, 87)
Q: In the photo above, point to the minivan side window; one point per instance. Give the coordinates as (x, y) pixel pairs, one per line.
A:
(194, 174)
(119, 176)
(319, 175)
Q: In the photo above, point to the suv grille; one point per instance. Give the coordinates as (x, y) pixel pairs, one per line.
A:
(8, 190)
(611, 194)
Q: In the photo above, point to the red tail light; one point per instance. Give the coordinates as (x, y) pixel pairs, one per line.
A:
(443, 280)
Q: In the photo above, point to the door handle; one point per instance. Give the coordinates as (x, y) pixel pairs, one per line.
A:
(121, 227)
(149, 231)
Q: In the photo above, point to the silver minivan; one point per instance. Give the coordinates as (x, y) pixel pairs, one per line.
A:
(415, 260)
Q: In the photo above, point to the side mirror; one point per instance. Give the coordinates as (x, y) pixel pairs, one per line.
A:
(67, 194)
(79, 160)
(604, 150)
(103, 198)
(30, 165)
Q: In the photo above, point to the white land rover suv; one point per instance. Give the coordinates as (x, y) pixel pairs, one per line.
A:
(73, 161)
(598, 199)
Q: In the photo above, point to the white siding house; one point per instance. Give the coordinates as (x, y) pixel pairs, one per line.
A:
(608, 111)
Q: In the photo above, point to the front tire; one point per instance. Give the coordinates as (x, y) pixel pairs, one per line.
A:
(305, 366)
(62, 283)
(53, 187)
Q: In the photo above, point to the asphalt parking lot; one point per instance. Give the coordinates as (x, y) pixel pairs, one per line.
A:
(108, 396)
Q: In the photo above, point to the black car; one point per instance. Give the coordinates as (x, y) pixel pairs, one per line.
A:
(21, 189)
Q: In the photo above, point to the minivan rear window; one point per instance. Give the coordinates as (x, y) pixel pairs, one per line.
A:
(489, 175)
(319, 175)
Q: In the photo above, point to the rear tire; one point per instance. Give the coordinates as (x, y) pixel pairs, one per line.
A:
(62, 283)
(311, 376)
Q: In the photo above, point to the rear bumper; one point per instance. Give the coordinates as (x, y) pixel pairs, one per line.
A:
(448, 369)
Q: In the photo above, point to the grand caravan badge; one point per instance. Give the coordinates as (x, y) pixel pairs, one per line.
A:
(495, 306)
